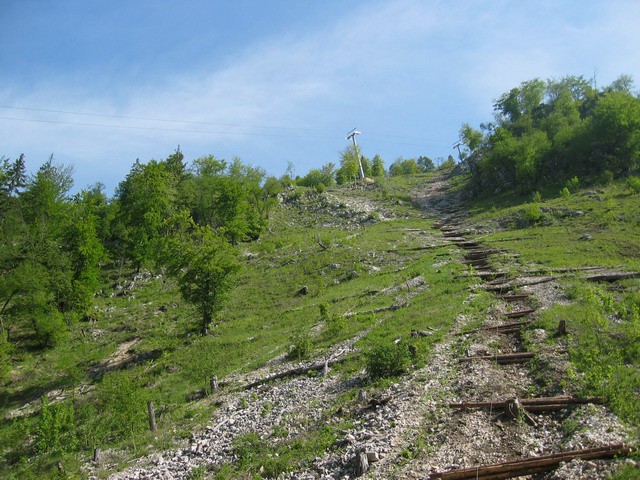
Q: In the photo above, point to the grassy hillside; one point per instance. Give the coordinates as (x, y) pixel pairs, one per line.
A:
(350, 270)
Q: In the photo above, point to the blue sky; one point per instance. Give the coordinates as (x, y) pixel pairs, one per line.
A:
(275, 81)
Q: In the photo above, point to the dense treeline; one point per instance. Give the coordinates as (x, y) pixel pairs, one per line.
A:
(350, 165)
(185, 220)
(548, 132)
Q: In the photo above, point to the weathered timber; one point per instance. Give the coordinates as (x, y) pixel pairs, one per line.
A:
(294, 372)
(480, 262)
(485, 268)
(516, 357)
(517, 411)
(513, 297)
(502, 278)
(390, 308)
(531, 465)
(499, 328)
(562, 328)
(532, 402)
(466, 244)
(152, 416)
(519, 314)
(213, 383)
(362, 463)
(476, 256)
(521, 283)
(422, 333)
(612, 277)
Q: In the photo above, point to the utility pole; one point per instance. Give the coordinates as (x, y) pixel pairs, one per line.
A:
(457, 145)
(352, 136)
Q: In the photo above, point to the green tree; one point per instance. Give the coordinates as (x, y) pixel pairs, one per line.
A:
(203, 262)
(403, 166)
(471, 138)
(145, 199)
(349, 166)
(230, 198)
(426, 164)
(616, 132)
(377, 166)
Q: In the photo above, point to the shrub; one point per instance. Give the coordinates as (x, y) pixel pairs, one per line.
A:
(300, 348)
(531, 213)
(634, 184)
(50, 328)
(537, 198)
(387, 360)
(573, 184)
(55, 429)
(564, 193)
(607, 177)
(336, 325)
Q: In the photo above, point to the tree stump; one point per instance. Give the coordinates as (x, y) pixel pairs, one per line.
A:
(514, 408)
(362, 464)
(562, 327)
(152, 416)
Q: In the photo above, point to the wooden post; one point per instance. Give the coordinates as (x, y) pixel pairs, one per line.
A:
(562, 327)
(96, 456)
(362, 463)
(325, 368)
(152, 416)
(213, 383)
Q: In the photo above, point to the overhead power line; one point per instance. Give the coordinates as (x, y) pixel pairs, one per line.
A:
(284, 131)
(133, 127)
(153, 119)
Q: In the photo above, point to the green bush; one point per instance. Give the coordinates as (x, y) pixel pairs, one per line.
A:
(634, 184)
(537, 198)
(300, 347)
(607, 177)
(55, 430)
(388, 360)
(573, 184)
(336, 325)
(50, 328)
(531, 214)
(564, 193)
(119, 411)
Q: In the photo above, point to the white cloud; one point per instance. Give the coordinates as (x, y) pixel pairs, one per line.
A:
(406, 67)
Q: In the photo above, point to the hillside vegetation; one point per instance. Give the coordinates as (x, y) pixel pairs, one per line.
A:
(345, 272)
(321, 327)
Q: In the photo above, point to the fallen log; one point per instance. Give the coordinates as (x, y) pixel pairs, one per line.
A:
(516, 357)
(531, 465)
(612, 277)
(390, 308)
(476, 256)
(294, 372)
(524, 283)
(499, 328)
(466, 244)
(563, 402)
(519, 314)
(502, 278)
(513, 297)
(476, 262)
